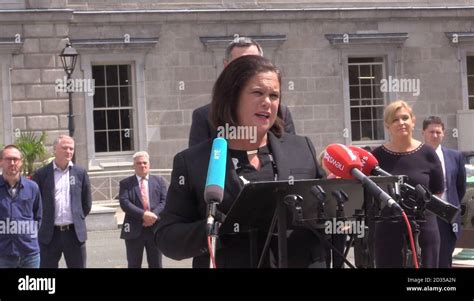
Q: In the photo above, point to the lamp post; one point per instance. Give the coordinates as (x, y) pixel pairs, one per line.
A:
(68, 58)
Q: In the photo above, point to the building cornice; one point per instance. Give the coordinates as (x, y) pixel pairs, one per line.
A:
(115, 43)
(10, 45)
(223, 41)
(350, 39)
(36, 15)
(272, 15)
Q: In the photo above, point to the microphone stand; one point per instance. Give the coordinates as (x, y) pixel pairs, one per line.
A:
(212, 233)
(279, 220)
(339, 239)
(422, 197)
(295, 203)
(407, 253)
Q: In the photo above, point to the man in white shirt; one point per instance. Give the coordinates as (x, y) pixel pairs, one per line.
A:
(67, 200)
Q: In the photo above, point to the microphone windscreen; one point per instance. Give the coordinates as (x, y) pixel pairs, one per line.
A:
(215, 181)
(340, 161)
(369, 162)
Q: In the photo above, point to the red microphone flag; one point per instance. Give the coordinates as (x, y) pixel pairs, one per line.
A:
(340, 160)
(369, 162)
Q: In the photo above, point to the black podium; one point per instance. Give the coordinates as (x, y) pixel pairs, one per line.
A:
(295, 203)
(256, 203)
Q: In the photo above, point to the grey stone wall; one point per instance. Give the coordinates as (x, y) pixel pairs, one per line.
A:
(180, 70)
(36, 106)
(247, 4)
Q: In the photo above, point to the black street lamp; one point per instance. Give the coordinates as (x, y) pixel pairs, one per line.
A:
(68, 58)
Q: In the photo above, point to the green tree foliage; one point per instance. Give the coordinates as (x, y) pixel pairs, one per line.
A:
(33, 149)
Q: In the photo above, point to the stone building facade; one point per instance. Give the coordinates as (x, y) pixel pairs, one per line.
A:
(154, 62)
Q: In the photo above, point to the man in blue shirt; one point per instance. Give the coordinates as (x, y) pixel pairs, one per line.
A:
(20, 214)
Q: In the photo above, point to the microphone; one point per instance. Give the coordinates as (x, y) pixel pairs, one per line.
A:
(342, 162)
(320, 195)
(436, 205)
(341, 197)
(370, 164)
(214, 191)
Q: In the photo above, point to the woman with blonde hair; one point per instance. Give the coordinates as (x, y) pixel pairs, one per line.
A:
(404, 155)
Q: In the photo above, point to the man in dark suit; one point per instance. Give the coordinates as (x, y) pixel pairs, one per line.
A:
(454, 172)
(67, 200)
(202, 129)
(142, 198)
(201, 126)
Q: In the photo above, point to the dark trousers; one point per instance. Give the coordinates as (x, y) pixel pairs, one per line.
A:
(390, 240)
(135, 250)
(63, 242)
(448, 243)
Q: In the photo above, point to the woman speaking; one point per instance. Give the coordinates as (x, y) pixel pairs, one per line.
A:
(247, 94)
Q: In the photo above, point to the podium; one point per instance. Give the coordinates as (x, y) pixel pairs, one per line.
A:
(289, 204)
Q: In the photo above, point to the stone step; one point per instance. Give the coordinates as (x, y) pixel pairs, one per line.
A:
(103, 216)
(463, 258)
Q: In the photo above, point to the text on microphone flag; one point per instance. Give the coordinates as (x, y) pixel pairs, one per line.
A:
(217, 153)
(340, 160)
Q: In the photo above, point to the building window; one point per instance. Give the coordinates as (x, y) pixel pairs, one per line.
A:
(470, 81)
(366, 98)
(113, 108)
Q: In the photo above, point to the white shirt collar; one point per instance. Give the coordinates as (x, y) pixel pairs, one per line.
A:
(439, 150)
(55, 167)
(140, 178)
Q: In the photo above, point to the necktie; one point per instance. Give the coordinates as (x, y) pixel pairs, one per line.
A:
(144, 194)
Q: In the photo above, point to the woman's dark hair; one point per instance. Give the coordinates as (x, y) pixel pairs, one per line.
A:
(229, 86)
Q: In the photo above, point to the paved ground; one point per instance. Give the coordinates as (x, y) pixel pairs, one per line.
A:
(105, 249)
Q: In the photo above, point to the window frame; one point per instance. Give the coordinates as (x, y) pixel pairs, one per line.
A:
(382, 64)
(390, 56)
(467, 83)
(101, 160)
(464, 53)
(464, 47)
(6, 134)
(118, 108)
